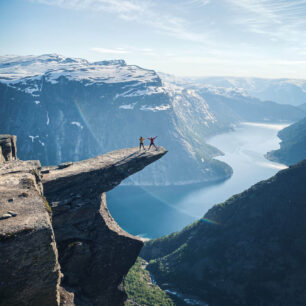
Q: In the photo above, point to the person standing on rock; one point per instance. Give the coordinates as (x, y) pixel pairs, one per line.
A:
(141, 139)
(152, 142)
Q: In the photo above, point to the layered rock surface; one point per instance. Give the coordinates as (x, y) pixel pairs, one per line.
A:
(94, 252)
(29, 269)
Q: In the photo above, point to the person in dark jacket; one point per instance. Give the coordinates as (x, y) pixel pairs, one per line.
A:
(152, 142)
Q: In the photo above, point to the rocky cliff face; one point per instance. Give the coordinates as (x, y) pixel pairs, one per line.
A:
(8, 149)
(92, 247)
(29, 269)
(93, 251)
(249, 250)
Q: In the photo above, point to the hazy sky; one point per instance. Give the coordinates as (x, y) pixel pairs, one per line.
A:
(265, 38)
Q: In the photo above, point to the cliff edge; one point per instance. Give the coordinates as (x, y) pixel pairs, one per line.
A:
(94, 252)
(71, 254)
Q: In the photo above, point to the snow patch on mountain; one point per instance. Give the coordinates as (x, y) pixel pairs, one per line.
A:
(155, 108)
(48, 119)
(78, 124)
(150, 90)
(127, 106)
(33, 137)
(25, 69)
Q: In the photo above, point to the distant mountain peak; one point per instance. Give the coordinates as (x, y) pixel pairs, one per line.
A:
(24, 69)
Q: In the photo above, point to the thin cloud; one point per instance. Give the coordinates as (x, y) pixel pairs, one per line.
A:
(237, 61)
(116, 6)
(129, 50)
(199, 2)
(281, 19)
(142, 11)
(109, 51)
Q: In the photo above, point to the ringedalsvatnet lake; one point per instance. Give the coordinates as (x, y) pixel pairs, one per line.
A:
(156, 211)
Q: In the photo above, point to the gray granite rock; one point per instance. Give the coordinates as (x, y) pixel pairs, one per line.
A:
(29, 269)
(94, 252)
(8, 148)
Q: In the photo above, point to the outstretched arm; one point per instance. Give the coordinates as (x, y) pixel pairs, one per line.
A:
(155, 137)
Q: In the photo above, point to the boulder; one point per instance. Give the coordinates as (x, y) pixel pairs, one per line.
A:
(8, 149)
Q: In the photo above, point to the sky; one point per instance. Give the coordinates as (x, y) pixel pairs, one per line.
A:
(261, 38)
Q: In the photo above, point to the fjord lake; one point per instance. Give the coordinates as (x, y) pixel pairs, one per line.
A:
(154, 211)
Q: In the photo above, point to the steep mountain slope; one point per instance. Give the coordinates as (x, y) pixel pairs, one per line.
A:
(293, 144)
(65, 109)
(249, 250)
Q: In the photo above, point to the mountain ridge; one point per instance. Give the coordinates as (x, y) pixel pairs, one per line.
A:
(282, 90)
(246, 251)
(71, 109)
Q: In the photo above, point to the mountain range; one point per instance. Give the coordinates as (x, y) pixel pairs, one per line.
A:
(284, 91)
(68, 109)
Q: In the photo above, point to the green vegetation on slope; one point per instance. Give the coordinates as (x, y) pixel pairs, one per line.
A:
(141, 291)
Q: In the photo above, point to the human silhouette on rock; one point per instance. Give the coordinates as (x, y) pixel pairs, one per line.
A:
(141, 139)
(152, 142)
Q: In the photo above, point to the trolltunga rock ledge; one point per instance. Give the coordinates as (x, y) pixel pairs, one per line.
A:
(94, 252)
(76, 255)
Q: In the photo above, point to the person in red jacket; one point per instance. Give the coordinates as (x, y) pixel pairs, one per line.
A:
(152, 142)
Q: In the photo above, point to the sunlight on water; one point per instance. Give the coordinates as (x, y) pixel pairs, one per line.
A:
(272, 165)
(276, 127)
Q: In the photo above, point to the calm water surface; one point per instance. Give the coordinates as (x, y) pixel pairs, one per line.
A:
(156, 211)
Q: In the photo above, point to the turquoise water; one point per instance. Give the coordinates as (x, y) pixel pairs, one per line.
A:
(156, 211)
